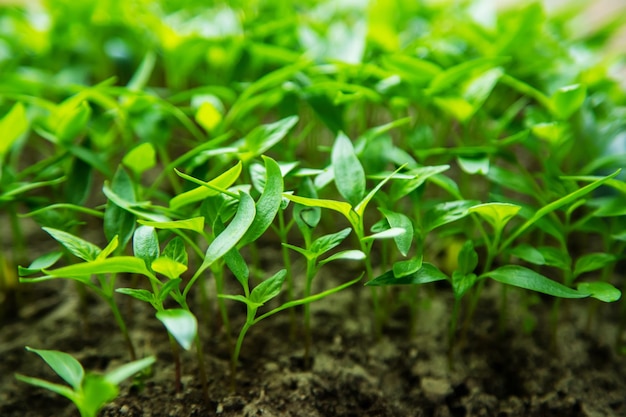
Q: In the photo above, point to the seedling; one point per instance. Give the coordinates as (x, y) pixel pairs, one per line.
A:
(88, 391)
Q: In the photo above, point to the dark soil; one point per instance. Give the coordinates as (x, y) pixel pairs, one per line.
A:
(352, 373)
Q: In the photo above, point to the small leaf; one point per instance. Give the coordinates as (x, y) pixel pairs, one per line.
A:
(567, 100)
(13, 125)
(43, 262)
(269, 288)
(427, 273)
(68, 368)
(77, 246)
(227, 239)
(112, 265)
(391, 233)
(168, 287)
(593, 261)
(127, 370)
(399, 220)
(519, 276)
(447, 212)
(141, 158)
(268, 204)
(497, 214)
(306, 217)
(474, 164)
(340, 206)
(196, 224)
(461, 283)
(208, 116)
(467, 259)
(238, 266)
(71, 120)
(146, 244)
(168, 267)
(96, 392)
(528, 253)
(141, 295)
(265, 136)
(181, 324)
(175, 249)
(602, 291)
(408, 267)
(117, 220)
(348, 171)
(109, 248)
(223, 181)
(325, 243)
(351, 255)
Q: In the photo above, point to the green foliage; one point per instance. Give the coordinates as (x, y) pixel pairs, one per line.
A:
(88, 391)
(471, 149)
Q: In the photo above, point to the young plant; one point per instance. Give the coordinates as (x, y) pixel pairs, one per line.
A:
(88, 391)
(312, 253)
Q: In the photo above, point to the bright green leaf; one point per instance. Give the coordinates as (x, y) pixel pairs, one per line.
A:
(269, 288)
(196, 224)
(519, 276)
(592, 262)
(77, 246)
(141, 158)
(181, 324)
(602, 291)
(348, 171)
(427, 273)
(68, 368)
(168, 267)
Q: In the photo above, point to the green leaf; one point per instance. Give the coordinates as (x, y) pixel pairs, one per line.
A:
(497, 214)
(117, 220)
(419, 176)
(168, 287)
(399, 220)
(556, 257)
(519, 276)
(208, 116)
(391, 233)
(141, 158)
(568, 199)
(360, 208)
(264, 137)
(109, 248)
(602, 291)
(474, 164)
(232, 234)
(268, 204)
(461, 283)
(127, 370)
(306, 217)
(348, 171)
(238, 266)
(427, 273)
(68, 368)
(117, 264)
(71, 120)
(175, 249)
(13, 125)
(567, 100)
(168, 267)
(146, 244)
(96, 392)
(467, 259)
(43, 262)
(593, 261)
(77, 246)
(181, 324)
(325, 243)
(141, 295)
(196, 224)
(447, 212)
(348, 255)
(221, 182)
(63, 390)
(528, 253)
(269, 288)
(408, 267)
(340, 206)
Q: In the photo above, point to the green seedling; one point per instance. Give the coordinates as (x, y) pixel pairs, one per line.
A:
(262, 293)
(88, 391)
(312, 253)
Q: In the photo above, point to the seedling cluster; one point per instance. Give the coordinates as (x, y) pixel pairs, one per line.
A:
(412, 142)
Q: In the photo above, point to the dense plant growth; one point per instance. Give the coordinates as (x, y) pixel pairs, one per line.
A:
(162, 144)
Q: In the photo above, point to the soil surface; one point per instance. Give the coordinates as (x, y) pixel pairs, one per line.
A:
(352, 373)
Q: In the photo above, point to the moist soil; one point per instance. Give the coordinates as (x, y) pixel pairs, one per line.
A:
(505, 373)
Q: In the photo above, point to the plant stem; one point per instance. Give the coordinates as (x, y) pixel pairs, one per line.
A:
(251, 312)
(452, 331)
(122, 325)
(177, 368)
(311, 271)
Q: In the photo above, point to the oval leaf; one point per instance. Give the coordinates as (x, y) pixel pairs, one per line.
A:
(181, 324)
